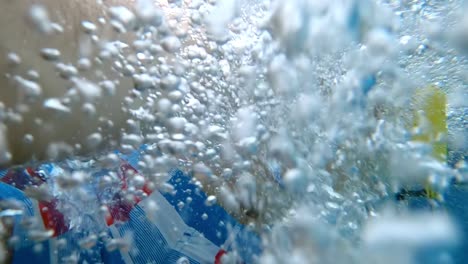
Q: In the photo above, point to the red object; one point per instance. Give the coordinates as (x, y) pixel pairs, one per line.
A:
(52, 218)
(117, 210)
(219, 255)
(120, 208)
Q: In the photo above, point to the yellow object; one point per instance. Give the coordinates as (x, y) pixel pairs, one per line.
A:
(431, 194)
(430, 116)
(430, 106)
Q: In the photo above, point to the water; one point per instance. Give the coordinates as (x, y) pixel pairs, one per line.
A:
(295, 116)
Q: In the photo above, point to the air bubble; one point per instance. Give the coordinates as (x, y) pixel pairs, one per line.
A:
(122, 18)
(204, 216)
(88, 90)
(13, 59)
(50, 54)
(94, 140)
(171, 44)
(56, 105)
(40, 18)
(88, 27)
(211, 200)
(29, 88)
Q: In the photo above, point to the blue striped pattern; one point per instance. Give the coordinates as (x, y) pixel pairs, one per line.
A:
(26, 255)
(148, 241)
(217, 227)
(149, 245)
(23, 249)
(8, 192)
(3, 173)
(166, 238)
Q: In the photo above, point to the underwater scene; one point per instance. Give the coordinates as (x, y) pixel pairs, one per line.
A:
(234, 131)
